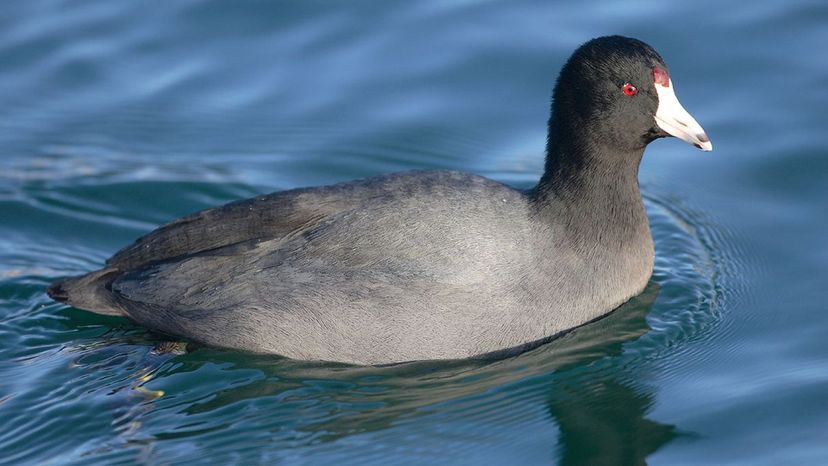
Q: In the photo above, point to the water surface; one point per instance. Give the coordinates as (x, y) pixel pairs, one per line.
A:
(118, 117)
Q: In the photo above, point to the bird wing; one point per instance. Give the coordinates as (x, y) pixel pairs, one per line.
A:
(275, 215)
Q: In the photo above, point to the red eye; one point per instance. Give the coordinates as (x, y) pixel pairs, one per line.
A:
(630, 90)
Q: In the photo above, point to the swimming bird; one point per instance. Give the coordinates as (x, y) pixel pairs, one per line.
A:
(426, 264)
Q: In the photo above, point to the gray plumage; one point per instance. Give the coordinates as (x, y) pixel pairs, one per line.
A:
(411, 266)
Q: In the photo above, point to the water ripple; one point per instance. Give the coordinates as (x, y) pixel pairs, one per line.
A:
(223, 398)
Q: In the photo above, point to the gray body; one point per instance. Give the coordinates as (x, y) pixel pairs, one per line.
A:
(419, 265)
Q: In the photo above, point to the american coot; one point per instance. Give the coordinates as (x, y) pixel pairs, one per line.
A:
(424, 264)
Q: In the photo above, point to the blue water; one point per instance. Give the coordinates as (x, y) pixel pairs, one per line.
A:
(120, 116)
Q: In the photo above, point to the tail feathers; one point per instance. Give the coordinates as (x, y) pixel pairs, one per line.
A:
(88, 292)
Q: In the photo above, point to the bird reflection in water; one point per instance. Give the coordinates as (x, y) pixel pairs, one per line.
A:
(601, 414)
(581, 379)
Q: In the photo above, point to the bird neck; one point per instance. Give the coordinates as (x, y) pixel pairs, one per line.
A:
(591, 188)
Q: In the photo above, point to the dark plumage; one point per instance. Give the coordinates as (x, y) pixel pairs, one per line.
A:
(420, 265)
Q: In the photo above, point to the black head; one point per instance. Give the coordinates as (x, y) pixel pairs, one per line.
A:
(615, 95)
